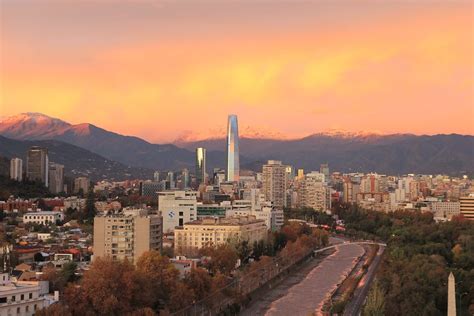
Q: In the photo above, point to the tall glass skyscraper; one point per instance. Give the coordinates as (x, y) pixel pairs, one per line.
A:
(200, 165)
(233, 167)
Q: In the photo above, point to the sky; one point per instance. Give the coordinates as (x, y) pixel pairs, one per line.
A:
(162, 70)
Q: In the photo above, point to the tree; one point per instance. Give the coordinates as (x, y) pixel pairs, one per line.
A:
(109, 288)
(375, 305)
(68, 272)
(243, 250)
(223, 259)
(90, 211)
(161, 274)
(200, 282)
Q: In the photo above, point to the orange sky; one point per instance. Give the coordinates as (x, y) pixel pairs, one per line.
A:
(161, 69)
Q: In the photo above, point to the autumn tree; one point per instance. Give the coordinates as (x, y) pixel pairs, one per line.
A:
(223, 258)
(110, 288)
(161, 274)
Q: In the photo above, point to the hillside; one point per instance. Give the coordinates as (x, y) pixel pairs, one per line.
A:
(77, 161)
(346, 152)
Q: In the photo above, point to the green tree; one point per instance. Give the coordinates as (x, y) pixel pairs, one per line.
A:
(375, 304)
(90, 211)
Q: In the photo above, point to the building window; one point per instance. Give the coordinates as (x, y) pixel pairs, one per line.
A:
(22, 297)
(27, 308)
(31, 296)
(3, 300)
(18, 310)
(13, 298)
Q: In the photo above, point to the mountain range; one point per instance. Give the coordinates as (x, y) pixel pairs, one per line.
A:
(346, 152)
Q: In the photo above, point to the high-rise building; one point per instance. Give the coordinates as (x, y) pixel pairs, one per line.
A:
(81, 184)
(177, 207)
(313, 192)
(56, 178)
(324, 169)
(275, 183)
(127, 235)
(37, 165)
(300, 174)
(467, 206)
(16, 169)
(233, 166)
(156, 176)
(171, 180)
(200, 165)
(185, 178)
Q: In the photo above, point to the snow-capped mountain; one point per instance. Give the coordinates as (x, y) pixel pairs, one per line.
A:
(344, 151)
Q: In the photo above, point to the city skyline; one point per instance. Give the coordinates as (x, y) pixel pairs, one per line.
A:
(392, 67)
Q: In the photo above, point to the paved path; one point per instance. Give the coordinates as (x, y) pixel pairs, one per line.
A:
(309, 295)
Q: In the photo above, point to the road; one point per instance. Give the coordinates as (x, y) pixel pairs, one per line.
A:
(309, 293)
(355, 305)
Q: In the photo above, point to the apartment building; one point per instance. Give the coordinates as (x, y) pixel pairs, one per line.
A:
(177, 208)
(127, 235)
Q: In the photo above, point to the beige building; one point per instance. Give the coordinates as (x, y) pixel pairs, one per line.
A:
(445, 210)
(313, 192)
(127, 235)
(81, 183)
(275, 183)
(214, 231)
(467, 206)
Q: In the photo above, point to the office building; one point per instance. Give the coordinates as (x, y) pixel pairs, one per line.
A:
(16, 169)
(81, 184)
(275, 183)
(324, 169)
(170, 183)
(150, 189)
(467, 206)
(127, 235)
(214, 231)
(56, 178)
(233, 164)
(156, 176)
(177, 208)
(185, 180)
(200, 166)
(37, 165)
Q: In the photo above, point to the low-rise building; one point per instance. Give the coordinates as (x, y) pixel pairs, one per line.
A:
(22, 297)
(43, 217)
(214, 231)
(444, 211)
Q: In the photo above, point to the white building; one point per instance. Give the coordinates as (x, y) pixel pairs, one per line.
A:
(23, 298)
(43, 217)
(177, 208)
(16, 169)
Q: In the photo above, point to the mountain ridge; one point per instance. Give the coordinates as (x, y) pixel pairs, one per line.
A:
(346, 152)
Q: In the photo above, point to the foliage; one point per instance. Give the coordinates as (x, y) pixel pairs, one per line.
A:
(418, 259)
(24, 189)
(89, 210)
